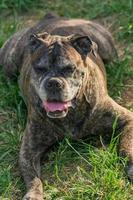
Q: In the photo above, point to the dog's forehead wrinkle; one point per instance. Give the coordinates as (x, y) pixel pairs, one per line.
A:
(57, 49)
(52, 39)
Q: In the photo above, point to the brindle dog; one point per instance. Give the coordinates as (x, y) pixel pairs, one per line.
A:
(63, 82)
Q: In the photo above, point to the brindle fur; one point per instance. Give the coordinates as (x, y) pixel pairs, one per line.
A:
(94, 111)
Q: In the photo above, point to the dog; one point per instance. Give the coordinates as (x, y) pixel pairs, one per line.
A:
(62, 78)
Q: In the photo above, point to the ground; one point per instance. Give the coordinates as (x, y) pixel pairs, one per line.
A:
(72, 170)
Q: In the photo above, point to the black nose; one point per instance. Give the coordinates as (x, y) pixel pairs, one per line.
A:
(54, 83)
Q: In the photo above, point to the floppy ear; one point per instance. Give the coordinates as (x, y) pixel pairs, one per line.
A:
(82, 44)
(36, 40)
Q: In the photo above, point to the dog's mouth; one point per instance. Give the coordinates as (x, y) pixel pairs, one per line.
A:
(57, 109)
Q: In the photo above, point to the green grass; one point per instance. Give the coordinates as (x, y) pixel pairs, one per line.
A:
(116, 74)
(18, 5)
(83, 172)
(74, 170)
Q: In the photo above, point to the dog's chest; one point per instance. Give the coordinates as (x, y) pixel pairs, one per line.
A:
(75, 129)
(74, 124)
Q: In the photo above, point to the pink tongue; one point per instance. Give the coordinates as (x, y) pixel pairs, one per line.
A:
(55, 106)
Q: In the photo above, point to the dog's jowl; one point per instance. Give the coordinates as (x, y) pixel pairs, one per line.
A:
(63, 82)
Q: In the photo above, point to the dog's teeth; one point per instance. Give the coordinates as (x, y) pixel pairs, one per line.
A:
(60, 114)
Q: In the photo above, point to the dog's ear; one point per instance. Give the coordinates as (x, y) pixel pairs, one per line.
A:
(83, 44)
(37, 40)
(34, 43)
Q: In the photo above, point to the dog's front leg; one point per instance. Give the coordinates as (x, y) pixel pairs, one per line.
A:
(112, 110)
(102, 123)
(35, 142)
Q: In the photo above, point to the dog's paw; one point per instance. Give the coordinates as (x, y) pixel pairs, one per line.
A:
(33, 196)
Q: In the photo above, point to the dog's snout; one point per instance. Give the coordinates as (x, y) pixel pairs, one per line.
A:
(54, 83)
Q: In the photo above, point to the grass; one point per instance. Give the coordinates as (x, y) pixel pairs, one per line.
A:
(74, 170)
(89, 174)
(18, 5)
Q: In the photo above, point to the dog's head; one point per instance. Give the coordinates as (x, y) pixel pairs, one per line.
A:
(59, 70)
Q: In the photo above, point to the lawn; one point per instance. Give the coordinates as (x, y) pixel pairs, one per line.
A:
(72, 170)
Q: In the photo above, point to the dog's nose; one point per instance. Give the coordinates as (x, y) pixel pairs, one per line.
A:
(54, 83)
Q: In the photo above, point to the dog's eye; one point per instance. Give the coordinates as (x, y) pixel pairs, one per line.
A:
(68, 70)
(40, 69)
